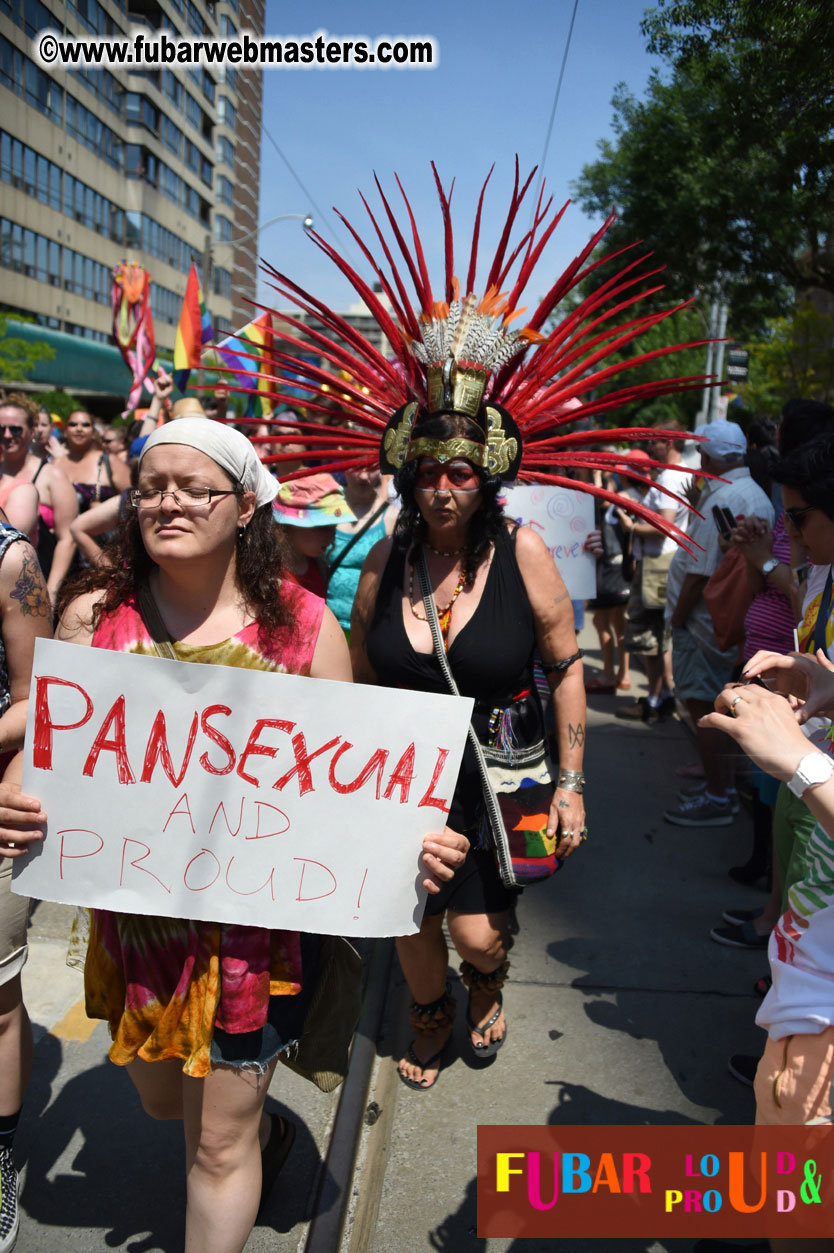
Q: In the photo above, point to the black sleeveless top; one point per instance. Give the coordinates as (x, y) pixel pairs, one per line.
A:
(491, 658)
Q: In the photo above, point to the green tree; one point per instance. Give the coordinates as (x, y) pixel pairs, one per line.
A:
(726, 167)
(794, 358)
(61, 403)
(18, 357)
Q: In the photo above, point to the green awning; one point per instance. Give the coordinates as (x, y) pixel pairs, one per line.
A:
(80, 366)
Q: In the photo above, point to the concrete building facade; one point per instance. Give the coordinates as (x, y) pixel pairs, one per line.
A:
(160, 166)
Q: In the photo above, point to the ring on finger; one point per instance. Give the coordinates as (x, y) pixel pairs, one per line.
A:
(735, 701)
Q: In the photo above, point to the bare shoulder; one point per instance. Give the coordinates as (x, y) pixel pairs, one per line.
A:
(76, 622)
(331, 659)
(530, 548)
(22, 585)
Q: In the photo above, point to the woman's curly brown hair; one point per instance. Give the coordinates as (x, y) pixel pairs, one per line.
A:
(259, 569)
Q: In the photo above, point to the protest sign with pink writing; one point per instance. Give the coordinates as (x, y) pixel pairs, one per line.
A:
(228, 795)
(563, 519)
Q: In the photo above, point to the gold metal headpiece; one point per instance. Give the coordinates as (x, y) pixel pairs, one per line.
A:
(448, 449)
(453, 388)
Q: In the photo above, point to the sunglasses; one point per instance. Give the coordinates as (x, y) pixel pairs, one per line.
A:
(11, 432)
(796, 517)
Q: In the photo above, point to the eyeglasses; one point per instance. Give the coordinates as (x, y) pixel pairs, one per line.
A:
(796, 517)
(185, 497)
(11, 432)
(458, 478)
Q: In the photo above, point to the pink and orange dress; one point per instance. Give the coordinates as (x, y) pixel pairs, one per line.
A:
(207, 993)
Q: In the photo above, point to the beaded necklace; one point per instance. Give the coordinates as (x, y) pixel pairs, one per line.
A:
(444, 616)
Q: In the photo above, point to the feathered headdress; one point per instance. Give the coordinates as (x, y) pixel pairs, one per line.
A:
(460, 354)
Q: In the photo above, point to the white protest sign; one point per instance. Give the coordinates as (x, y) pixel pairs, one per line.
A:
(209, 792)
(563, 519)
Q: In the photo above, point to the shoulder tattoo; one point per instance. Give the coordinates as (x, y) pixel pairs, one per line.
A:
(30, 590)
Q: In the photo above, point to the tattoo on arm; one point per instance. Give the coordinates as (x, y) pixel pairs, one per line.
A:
(31, 591)
(576, 735)
(562, 596)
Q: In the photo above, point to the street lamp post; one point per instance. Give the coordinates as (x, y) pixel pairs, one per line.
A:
(306, 220)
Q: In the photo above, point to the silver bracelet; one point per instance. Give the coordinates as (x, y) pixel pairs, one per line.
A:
(571, 781)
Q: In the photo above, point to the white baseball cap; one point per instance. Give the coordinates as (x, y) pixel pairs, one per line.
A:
(721, 439)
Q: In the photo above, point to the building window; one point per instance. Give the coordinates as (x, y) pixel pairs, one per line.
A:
(223, 229)
(222, 283)
(225, 151)
(225, 113)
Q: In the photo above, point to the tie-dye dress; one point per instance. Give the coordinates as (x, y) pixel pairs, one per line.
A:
(169, 986)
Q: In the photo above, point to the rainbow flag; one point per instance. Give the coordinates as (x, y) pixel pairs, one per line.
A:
(255, 338)
(193, 331)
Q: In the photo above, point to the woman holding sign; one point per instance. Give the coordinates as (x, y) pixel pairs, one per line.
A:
(199, 1012)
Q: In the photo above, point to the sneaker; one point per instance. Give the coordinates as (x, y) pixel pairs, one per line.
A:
(738, 917)
(743, 1066)
(688, 793)
(700, 811)
(745, 936)
(9, 1216)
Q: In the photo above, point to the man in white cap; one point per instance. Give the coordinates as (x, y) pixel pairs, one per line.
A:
(700, 667)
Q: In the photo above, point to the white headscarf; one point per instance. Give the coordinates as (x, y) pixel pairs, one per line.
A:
(231, 450)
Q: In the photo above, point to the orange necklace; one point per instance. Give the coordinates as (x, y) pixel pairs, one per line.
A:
(444, 616)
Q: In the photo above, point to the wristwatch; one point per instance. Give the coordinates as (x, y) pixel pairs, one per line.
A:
(813, 769)
(770, 564)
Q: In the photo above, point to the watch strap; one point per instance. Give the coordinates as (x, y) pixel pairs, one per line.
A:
(812, 770)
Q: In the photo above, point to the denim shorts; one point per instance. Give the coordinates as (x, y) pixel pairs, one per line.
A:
(284, 1026)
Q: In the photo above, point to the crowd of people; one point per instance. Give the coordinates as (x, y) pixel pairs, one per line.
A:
(746, 628)
(173, 539)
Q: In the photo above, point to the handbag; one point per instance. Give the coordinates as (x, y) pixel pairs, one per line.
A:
(517, 783)
(727, 595)
(628, 557)
(321, 1053)
(654, 571)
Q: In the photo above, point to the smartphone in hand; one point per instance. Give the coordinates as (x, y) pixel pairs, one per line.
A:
(723, 519)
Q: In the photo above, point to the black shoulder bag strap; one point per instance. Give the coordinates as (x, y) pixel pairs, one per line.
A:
(496, 822)
(157, 629)
(357, 535)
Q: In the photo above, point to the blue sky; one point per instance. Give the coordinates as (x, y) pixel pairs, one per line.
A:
(490, 97)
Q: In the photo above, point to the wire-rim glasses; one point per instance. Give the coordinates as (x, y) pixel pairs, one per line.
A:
(185, 497)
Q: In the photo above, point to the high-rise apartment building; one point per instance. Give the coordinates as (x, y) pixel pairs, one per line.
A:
(159, 164)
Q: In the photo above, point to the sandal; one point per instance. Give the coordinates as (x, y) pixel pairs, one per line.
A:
(274, 1154)
(420, 1085)
(487, 1050)
(427, 1020)
(484, 981)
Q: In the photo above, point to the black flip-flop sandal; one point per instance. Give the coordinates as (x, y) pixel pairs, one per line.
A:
(274, 1154)
(486, 1050)
(416, 1084)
